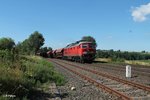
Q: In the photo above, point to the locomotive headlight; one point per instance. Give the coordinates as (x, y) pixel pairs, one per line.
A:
(84, 52)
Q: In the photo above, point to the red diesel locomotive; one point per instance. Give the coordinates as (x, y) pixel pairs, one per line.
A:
(80, 52)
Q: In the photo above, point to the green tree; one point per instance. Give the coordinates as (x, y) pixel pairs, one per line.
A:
(6, 43)
(49, 49)
(89, 39)
(32, 44)
(35, 41)
(25, 47)
(44, 49)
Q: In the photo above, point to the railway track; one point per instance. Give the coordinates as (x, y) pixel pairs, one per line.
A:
(135, 70)
(147, 88)
(123, 89)
(140, 77)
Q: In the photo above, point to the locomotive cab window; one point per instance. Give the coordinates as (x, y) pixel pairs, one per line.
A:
(84, 45)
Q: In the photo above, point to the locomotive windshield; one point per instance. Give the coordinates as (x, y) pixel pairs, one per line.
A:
(88, 45)
(84, 45)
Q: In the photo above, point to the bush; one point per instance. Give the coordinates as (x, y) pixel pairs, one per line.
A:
(26, 74)
(118, 59)
(42, 71)
(8, 56)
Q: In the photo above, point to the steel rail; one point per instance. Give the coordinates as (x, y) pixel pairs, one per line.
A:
(137, 85)
(111, 91)
(145, 73)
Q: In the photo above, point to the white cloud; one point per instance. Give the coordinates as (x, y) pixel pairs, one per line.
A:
(141, 13)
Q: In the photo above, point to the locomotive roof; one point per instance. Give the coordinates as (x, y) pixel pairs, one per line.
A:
(50, 51)
(75, 44)
(59, 50)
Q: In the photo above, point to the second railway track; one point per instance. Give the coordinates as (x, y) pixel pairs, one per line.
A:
(124, 89)
(135, 70)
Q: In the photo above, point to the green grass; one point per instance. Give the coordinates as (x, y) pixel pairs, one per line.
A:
(146, 61)
(21, 76)
(122, 61)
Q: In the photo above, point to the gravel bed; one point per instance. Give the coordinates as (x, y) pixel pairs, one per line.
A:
(83, 89)
(131, 91)
(140, 74)
(136, 77)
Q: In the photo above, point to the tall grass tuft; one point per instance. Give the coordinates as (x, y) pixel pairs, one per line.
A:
(20, 75)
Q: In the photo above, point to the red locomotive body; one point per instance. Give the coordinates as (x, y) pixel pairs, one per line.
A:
(83, 52)
(80, 52)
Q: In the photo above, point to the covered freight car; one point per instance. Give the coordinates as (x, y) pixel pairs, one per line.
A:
(50, 54)
(58, 53)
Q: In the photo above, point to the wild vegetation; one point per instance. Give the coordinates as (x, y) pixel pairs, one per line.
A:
(6, 43)
(22, 73)
(32, 44)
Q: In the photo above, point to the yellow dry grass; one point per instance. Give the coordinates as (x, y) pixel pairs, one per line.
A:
(103, 59)
(138, 62)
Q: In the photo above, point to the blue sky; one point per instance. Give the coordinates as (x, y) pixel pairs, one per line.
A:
(115, 24)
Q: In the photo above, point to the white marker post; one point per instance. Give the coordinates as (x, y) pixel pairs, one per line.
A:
(128, 71)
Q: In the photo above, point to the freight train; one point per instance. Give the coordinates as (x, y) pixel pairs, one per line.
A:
(79, 52)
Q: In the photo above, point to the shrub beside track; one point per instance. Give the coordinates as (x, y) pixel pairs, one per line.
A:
(22, 75)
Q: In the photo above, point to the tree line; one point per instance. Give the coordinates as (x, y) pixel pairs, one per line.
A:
(34, 43)
(29, 46)
(124, 55)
